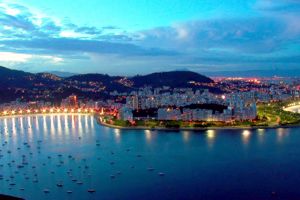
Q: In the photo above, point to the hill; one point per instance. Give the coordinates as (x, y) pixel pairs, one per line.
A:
(13, 78)
(62, 74)
(172, 79)
(15, 84)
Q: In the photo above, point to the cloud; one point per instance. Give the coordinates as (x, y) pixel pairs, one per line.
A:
(268, 38)
(23, 57)
(278, 5)
(253, 35)
(287, 12)
(29, 31)
(62, 45)
(14, 57)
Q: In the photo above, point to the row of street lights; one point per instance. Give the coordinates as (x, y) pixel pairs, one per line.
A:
(47, 110)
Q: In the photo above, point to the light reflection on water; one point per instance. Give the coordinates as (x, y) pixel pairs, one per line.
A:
(186, 136)
(246, 134)
(211, 137)
(261, 135)
(117, 135)
(95, 154)
(148, 135)
(281, 134)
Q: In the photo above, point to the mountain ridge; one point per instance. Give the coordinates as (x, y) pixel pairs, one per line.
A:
(16, 83)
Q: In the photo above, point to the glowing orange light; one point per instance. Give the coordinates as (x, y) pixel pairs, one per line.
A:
(28, 111)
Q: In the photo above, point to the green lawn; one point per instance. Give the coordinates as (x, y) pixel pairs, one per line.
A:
(269, 114)
(273, 114)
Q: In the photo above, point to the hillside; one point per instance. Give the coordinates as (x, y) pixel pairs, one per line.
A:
(15, 84)
(172, 79)
(14, 78)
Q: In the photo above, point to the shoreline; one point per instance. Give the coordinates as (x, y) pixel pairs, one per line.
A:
(42, 114)
(195, 129)
(161, 128)
(201, 128)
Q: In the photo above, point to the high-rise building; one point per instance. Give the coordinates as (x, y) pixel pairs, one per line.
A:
(73, 102)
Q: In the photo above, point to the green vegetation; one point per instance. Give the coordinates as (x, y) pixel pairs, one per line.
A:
(273, 114)
(268, 115)
(123, 123)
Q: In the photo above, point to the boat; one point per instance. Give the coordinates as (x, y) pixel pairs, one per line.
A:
(91, 190)
(161, 174)
(46, 191)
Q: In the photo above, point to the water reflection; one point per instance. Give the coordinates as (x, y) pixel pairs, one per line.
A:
(91, 121)
(21, 125)
(52, 124)
(79, 124)
(281, 134)
(52, 129)
(66, 124)
(148, 135)
(59, 126)
(45, 124)
(207, 150)
(210, 135)
(14, 132)
(37, 123)
(261, 134)
(117, 135)
(29, 126)
(5, 125)
(73, 119)
(246, 136)
(186, 136)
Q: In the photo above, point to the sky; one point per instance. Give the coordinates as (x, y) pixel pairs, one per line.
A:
(128, 37)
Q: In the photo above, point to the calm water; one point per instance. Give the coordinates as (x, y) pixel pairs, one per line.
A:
(204, 165)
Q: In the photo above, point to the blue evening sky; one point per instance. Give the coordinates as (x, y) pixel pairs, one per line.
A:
(127, 37)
